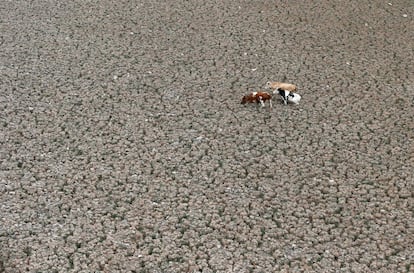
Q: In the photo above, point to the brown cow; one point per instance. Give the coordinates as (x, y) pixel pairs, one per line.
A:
(282, 85)
(258, 97)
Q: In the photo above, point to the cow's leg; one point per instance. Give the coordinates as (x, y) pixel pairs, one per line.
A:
(270, 102)
(282, 93)
(284, 99)
(261, 101)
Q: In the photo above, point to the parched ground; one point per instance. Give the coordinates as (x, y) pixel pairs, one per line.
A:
(124, 146)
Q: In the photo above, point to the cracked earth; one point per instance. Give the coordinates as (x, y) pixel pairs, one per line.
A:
(124, 146)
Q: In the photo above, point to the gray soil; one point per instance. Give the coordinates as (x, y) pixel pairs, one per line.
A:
(124, 146)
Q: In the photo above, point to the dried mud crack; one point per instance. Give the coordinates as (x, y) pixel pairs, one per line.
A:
(124, 146)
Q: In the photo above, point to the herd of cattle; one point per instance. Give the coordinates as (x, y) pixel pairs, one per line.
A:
(287, 92)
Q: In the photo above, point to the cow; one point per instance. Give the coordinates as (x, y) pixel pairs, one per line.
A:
(288, 96)
(258, 97)
(282, 85)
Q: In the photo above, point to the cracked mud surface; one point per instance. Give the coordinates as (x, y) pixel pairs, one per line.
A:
(124, 146)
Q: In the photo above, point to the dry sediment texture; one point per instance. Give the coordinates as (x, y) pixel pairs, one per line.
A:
(124, 147)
